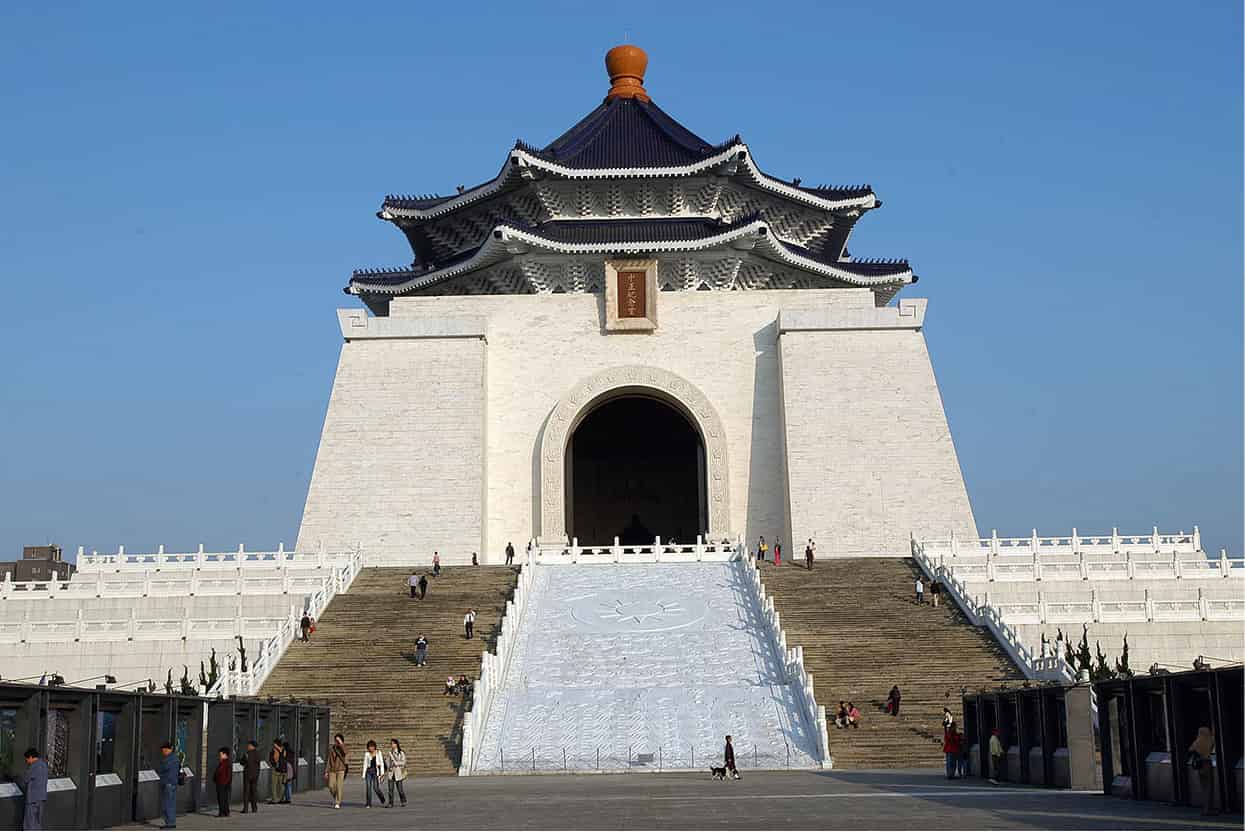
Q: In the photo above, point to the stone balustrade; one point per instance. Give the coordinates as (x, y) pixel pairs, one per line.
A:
(655, 552)
(122, 560)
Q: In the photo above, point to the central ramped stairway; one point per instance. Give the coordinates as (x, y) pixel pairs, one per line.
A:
(361, 659)
(862, 632)
(643, 666)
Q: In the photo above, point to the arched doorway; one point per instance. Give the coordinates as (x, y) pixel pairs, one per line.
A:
(635, 469)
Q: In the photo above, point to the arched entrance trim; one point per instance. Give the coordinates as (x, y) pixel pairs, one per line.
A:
(581, 401)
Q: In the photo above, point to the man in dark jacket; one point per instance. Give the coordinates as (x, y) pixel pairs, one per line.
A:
(509, 553)
(250, 778)
(423, 586)
(223, 778)
(35, 784)
(169, 769)
(729, 758)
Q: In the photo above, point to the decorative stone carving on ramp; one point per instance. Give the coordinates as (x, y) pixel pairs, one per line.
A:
(582, 398)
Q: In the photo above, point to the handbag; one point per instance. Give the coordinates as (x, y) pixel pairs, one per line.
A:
(1195, 761)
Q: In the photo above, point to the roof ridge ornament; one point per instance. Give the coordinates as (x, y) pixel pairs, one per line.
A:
(626, 65)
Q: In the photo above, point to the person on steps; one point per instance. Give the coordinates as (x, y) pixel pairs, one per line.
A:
(469, 623)
(436, 564)
(762, 550)
(413, 583)
(951, 749)
(728, 759)
(291, 771)
(840, 716)
(996, 756)
(305, 626)
(935, 589)
(421, 651)
(475, 559)
(338, 768)
(853, 715)
(948, 721)
(373, 771)
(808, 554)
(778, 553)
(920, 590)
(250, 778)
(509, 553)
(423, 586)
(396, 765)
(451, 685)
(223, 778)
(892, 701)
(1199, 760)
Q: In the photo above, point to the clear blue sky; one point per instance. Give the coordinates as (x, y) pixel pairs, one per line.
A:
(185, 189)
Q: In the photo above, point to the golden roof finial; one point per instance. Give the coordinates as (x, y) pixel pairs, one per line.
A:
(626, 65)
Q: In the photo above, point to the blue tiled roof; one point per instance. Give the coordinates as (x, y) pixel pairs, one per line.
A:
(626, 133)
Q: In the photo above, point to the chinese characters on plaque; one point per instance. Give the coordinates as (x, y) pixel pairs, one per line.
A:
(631, 297)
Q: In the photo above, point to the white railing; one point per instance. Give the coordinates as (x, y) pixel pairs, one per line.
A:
(90, 630)
(238, 682)
(493, 666)
(160, 559)
(1084, 608)
(793, 663)
(1034, 666)
(655, 552)
(153, 583)
(1113, 557)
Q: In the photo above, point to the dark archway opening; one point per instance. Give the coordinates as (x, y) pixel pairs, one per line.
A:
(635, 470)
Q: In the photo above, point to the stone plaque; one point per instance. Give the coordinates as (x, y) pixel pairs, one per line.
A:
(631, 295)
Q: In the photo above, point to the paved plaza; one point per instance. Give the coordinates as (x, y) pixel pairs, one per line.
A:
(772, 800)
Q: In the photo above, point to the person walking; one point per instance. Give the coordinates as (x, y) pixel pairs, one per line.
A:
(778, 553)
(808, 554)
(951, 748)
(276, 773)
(509, 553)
(996, 756)
(169, 772)
(413, 583)
(475, 559)
(338, 768)
(469, 623)
(291, 771)
(373, 771)
(935, 589)
(395, 761)
(305, 626)
(762, 550)
(728, 759)
(250, 777)
(920, 590)
(34, 784)
(1199, 760)
(423, 586)
(436, 564)
(223, 778)
(948, 721)
(421, 651)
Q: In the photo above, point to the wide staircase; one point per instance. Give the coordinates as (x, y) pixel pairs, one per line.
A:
(862, 633)
(361, 659)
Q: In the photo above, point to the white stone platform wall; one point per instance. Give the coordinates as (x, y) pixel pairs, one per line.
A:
(437, 414)
(869, 453)
(400, 468)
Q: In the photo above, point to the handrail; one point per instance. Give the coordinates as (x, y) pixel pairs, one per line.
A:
(237, 682)
(120, 560)
(655, 552)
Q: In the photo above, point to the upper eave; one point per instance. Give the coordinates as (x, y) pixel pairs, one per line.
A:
(521, 164)
(507, 241)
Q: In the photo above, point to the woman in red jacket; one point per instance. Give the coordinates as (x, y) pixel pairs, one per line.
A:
(951, 743)
(223, 778)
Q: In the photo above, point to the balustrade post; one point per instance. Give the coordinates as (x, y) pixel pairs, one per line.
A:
(1076, 541)
(1149, 606)
(52, 585)
(1154, 540)
(574, 550)
(1203, 608)
(1115, 540)
(1176, 570)
(194, 582)
(81, 552)
(131, 626)
(1197, 539)
(994, 542)
(1130, 565)
(121, 556)
(1042, 607)
(99, 584)
(990, 569)
(1037, 566)
(1223, 563)
(1084, 567)
(700, 548)
(617, 550)
(1095, 605)
(199, 557)
(285, 581)
(657, 549)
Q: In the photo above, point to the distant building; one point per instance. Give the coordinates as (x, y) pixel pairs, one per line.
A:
(37, 564)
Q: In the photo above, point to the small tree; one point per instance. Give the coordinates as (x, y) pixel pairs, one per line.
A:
(188, 688)
(1121, 664)
(168, 685)
(1084, 659)
(1101, 671)
(242, 654)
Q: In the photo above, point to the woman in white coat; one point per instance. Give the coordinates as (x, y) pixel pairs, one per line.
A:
(373, 773)
(396, 761)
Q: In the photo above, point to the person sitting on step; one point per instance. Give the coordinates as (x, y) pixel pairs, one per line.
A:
(451, 685)
(853, 715)
(840, 716)
(464, 685)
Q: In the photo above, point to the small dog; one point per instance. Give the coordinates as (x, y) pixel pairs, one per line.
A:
(718, 773)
